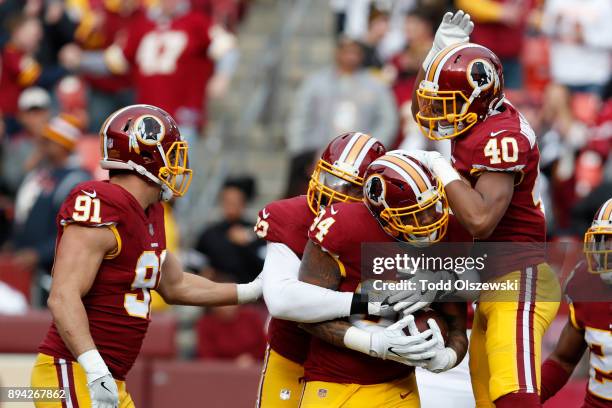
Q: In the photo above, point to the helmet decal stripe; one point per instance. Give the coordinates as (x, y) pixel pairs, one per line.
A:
(351, 157)
(433, 67)
(364, 151)
(105, 126)
(400, 170)
(606, 211)
(433, 73)
(409, 168)
(349, 146)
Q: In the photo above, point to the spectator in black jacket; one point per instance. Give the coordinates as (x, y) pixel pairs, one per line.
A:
(230, 244)
(41, 194)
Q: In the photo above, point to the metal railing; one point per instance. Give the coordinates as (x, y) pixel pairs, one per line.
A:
(227, 144)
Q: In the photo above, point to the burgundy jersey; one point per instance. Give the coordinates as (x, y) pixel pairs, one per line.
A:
(118, 302)
(287, 222)
(506, 143)
(170, 63)
(17, 72)
(594, 319)
(341, 230)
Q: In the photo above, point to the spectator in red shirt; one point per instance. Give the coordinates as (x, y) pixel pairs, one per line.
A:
(232, 333)
(170, 52)
(19, 69)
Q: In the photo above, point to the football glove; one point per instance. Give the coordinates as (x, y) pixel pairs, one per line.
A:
(437, 358)
(438, 165)
(392, 343)
(454, 29)
(409, 301)
(102, 387)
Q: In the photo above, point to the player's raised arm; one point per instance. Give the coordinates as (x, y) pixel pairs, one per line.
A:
(183, 288)
(558, 367)
(79, 254)
(454, 29)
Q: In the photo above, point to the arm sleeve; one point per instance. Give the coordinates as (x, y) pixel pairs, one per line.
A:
(483, 11)
(290, 299)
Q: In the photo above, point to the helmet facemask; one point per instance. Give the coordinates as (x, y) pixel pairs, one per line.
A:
(423, 223)
(335, 183)
(176, 174)
(443, 114)
(598, 251)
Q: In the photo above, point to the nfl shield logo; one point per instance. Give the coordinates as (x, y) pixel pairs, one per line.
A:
(285, 394)
(322, 393)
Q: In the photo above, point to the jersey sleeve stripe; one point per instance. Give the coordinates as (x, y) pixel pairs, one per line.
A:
(481, 167)
(341, 266)
(572, 317)
(115, 252)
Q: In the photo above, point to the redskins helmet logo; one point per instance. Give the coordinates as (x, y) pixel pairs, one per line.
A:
(149, 130)
(481, 74)
(375, 189)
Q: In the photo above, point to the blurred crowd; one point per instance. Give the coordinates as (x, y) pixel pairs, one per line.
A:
(67, 64)
(557, 61)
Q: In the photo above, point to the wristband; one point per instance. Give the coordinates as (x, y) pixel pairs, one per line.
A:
(249, 292)
(358, 340)
(359, 304)
(93, 364)
(444, 171)
(452, 358)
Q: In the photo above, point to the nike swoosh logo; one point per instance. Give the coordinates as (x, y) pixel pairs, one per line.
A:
(265, 214)
(493, 134)
(90, 195)
(333, 211)
(390, 350)
(104, 386)
(403, 396)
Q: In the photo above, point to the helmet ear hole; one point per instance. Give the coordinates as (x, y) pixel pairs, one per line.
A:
(146, 155)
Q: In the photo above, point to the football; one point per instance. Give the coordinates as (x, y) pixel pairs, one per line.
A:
(421, 317)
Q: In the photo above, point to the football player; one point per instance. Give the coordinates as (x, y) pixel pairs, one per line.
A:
(348, 365)
(111, 252)
(589, 323)
(171, 51)
(492, 188)
(338, 177)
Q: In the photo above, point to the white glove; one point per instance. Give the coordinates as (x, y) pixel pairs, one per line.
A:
(437, 357)
(392, 343)
(454, 29)
(409, 301)
(250, 292)
(102, 387)
(437, 164)
(378, 304)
